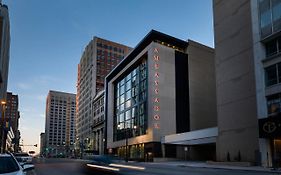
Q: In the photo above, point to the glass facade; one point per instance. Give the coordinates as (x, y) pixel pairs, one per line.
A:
(130, 114)
(270, 17)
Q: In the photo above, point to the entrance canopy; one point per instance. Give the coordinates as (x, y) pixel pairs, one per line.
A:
(202, 136)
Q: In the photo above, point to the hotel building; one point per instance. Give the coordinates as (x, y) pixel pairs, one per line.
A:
(99, 58)
(248, 72)
(60, 124)
(162, 93)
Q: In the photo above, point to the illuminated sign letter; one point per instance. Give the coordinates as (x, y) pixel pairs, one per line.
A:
(156, 117)
(156, 100)
(156, 50)
(156, 91)
(156, 83)
(156, 58)
(156, 125)
(156, 66)
(156, 74)
(156, 108)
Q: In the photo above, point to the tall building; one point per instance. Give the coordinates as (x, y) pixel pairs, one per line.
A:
(4, 61)
(12, 116)
(161, 100)
(99, 58)
(5, 49)
(248, 72)
(60, 124)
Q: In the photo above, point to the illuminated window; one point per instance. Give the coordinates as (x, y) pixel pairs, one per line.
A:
(274, 104)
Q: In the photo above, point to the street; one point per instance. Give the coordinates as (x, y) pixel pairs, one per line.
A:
(73, 167)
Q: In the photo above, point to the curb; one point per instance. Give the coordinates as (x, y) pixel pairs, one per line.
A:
(225, 168)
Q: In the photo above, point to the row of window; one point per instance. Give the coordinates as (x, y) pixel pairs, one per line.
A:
(115, 49)
(60, 101)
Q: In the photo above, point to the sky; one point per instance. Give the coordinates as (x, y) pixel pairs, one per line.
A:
(48, 38)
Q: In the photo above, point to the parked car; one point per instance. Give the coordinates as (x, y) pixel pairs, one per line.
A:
(23, 158)
(10, 166)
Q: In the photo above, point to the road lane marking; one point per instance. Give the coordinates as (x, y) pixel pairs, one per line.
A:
(103, 167)
(127, 166)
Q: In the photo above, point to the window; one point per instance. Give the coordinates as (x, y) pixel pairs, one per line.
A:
(276, 15)
(270, 17)
(274, 104)
(273, 47)
(273, 74)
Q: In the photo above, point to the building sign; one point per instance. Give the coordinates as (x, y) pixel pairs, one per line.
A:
(270, 127)
(156, 99)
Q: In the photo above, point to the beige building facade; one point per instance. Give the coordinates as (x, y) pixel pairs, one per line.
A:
(60, 124)
(164, 87)
(247, 43)
(98, 59)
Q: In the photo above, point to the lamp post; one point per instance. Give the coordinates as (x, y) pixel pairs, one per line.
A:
(3, 142)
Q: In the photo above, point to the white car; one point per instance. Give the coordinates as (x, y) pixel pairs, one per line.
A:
(10, 166)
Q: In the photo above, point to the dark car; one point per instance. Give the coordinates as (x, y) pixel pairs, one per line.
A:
(101, 164)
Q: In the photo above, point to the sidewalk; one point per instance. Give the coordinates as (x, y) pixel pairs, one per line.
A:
(226, 167)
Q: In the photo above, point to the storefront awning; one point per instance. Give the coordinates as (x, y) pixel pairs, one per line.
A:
(202, 136)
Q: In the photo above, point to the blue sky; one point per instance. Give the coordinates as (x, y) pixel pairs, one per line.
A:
(48, 38)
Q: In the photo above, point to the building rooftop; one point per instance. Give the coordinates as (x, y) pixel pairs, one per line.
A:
(152, 36)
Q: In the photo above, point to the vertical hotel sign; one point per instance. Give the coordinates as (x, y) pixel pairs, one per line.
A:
(156, 99)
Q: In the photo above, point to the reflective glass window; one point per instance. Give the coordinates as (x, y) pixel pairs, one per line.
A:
(271, 75)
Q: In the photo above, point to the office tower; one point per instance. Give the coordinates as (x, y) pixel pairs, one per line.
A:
(99, 58)
(248, 72)
(4, 61)
(60, 124)
(12, 116)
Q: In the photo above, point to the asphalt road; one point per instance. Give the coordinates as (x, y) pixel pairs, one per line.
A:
(73, 167)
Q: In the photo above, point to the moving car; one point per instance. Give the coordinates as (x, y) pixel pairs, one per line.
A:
(10, 166)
